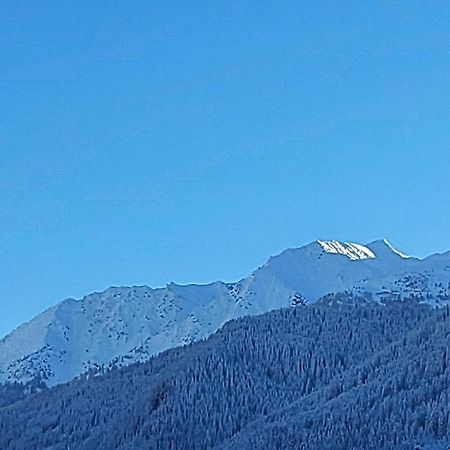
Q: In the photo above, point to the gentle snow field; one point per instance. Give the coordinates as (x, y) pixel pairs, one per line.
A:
(128, 324)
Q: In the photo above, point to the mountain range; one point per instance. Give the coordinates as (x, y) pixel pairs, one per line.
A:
(123, 325)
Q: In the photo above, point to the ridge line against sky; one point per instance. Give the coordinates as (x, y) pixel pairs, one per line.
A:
(203, 283)
(143, 143)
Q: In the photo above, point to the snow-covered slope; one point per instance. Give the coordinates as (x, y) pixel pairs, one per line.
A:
(128, 324)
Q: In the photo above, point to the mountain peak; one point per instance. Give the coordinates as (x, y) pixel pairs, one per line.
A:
(382, 247)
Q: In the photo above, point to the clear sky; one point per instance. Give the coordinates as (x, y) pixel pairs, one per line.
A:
(145, 142)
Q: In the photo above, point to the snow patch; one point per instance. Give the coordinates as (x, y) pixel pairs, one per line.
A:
(349, 249)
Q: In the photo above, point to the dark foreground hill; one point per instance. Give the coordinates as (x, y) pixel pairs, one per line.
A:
(329, 376)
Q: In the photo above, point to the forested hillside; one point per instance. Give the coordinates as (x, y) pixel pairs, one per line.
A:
(333, 375)
(399, 398)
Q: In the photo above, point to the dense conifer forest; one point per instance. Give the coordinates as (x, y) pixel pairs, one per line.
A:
(336, 375)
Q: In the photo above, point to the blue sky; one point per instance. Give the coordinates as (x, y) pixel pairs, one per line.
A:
(146, 142)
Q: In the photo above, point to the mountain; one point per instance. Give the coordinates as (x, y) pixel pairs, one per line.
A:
(333, 375)
(123, 325)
